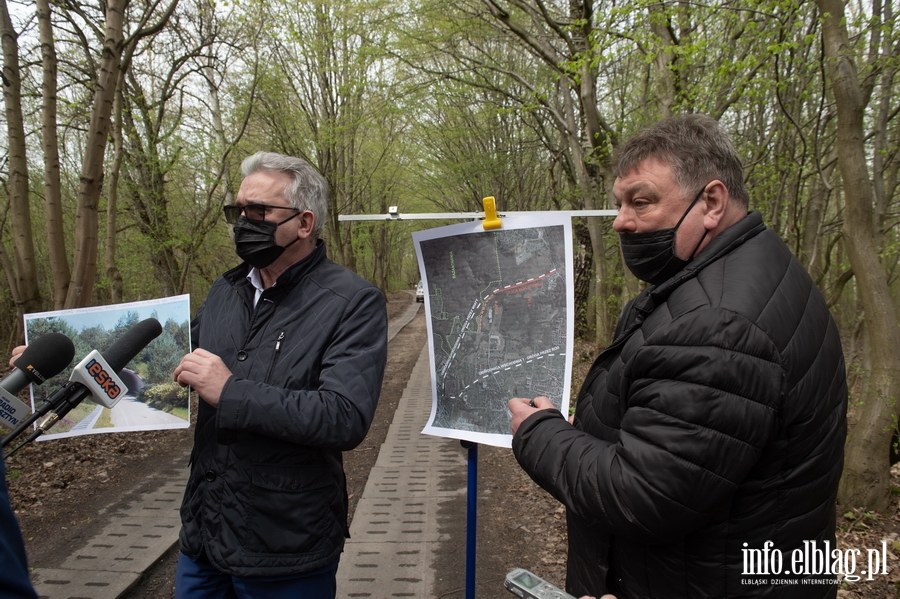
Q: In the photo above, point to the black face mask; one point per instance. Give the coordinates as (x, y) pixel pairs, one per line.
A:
(254, 241)
(650, 256)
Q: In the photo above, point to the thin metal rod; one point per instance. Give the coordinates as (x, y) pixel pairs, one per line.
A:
(463, 215)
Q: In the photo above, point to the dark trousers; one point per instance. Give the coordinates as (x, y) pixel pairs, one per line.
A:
(199, 579)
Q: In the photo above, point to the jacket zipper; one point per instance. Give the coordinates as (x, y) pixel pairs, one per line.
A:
(275, 357)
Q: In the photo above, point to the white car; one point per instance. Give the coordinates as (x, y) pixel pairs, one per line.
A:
(420, 292)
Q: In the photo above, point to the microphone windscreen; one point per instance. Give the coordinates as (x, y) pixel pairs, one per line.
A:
(131, 343)
(45, 357)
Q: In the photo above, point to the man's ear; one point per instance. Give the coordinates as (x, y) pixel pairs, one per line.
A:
(306, 222)
(717, 200)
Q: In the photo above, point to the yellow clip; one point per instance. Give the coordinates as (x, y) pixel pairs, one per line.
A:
(491, 220)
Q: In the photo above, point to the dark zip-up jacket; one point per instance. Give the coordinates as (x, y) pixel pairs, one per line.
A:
(266, 494)
(14, 582)
(713, 424)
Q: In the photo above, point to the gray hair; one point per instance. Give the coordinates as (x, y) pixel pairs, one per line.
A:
(308, 190)
(695, 147)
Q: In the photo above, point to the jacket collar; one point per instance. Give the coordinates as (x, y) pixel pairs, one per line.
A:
(238, 276)
(647, 300)
(724, 243)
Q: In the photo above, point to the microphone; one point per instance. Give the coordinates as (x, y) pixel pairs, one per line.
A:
(96, 376)
(44, 358)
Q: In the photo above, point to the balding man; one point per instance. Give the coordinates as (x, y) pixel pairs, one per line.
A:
(708, 437)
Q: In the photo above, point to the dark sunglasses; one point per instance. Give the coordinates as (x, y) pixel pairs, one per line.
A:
(253, 211)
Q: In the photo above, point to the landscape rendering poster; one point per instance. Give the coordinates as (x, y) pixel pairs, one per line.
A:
(499, 305)
(153, 400)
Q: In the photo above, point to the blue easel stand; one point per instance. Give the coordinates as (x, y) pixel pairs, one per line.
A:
(471, 519)
(491, 221)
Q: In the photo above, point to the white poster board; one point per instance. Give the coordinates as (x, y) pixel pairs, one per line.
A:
(499, 306)
(153, 400)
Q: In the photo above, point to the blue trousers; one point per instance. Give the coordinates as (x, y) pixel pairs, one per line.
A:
(199, 579)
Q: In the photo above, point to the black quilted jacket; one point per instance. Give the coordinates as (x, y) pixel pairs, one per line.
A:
(267, 494)
(714, 423)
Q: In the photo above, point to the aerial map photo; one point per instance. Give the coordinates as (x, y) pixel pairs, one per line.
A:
(499, 319)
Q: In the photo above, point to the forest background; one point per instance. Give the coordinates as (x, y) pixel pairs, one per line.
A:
(126, 121)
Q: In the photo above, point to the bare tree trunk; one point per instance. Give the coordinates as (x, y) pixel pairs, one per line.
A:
(116, 285)
(9, 269)
(881, 146)
(380, 251)
(23, 275)
(812, 244)
(56, 240)
(663, 60)
(221, 174)
(86, 215)
(587, 190)
(348, 258)
(866, 479)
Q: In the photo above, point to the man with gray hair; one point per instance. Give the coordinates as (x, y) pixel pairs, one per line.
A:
(707, 444)
(289, 359)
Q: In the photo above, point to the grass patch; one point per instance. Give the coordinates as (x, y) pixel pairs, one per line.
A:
(182, 413)
(105, 420)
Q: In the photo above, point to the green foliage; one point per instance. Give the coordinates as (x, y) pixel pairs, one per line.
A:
(167, 396)
(38, 327)
(162, 355)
